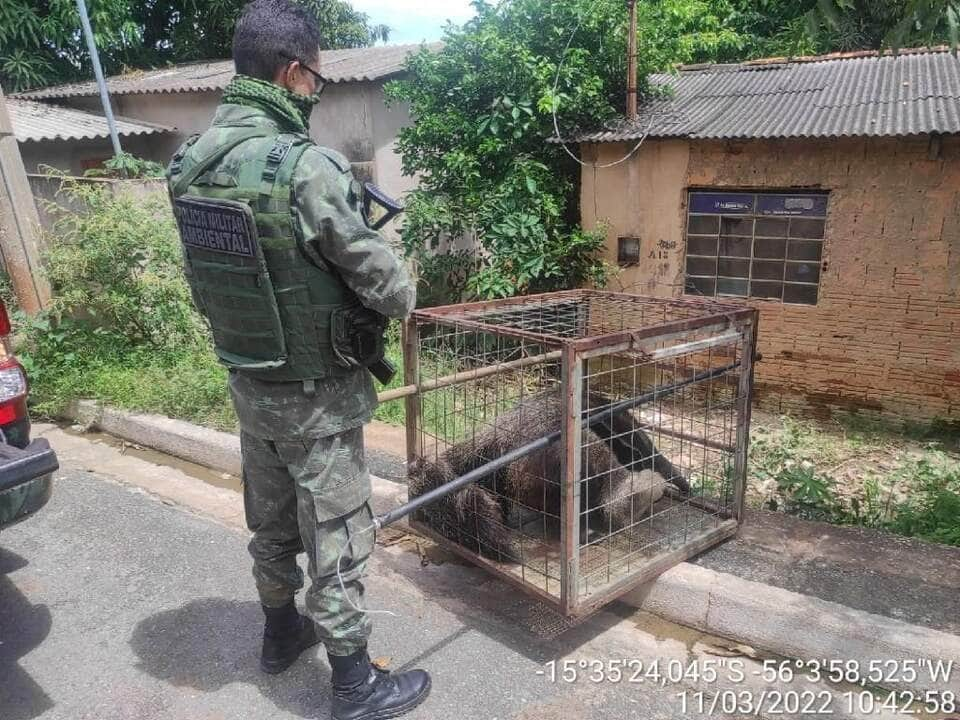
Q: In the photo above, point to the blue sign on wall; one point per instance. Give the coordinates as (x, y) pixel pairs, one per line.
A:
(793, 205)
(722, 203)
(772, 204)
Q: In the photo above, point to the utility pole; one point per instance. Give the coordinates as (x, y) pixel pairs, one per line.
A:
(19, 222)
(98, 73)
(631, 62)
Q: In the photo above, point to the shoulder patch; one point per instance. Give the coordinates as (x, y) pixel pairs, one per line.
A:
(341, 162)
(224, 226)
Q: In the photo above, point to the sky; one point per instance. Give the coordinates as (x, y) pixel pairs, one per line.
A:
(412, 21)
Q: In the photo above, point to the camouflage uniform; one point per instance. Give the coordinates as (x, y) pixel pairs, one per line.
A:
(306, 484)
(306, 487)
(310, 494)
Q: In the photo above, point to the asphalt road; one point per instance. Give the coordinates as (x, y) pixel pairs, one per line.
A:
(114, 604)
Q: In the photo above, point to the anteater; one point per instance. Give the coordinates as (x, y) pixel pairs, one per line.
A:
(623, 475)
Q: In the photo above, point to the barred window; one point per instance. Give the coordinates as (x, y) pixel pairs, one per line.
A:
(760, 245)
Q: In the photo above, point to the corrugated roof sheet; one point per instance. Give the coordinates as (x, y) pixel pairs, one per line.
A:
(34, 121)
(358, 64)
(337, 66)
(177, 78)
(856, 94)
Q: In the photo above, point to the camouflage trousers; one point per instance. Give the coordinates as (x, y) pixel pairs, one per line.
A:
(311, 495)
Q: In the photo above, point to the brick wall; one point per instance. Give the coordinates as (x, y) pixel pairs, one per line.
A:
(885, 334)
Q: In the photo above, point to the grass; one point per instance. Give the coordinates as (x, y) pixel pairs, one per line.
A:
(190, 385)
(859, 472)
(392, 412)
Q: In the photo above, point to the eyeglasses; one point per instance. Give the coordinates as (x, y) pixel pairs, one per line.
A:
(317, 76)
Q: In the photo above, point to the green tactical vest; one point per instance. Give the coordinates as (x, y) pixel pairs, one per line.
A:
(275, 313)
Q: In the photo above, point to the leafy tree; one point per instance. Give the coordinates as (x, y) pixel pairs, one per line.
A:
(924, 22)
(180, 30)
(40, 41)
(796, 27)
(484, 106)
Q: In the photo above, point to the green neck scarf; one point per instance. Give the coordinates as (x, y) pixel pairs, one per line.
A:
(290, 110)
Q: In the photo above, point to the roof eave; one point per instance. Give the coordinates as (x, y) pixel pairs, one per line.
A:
(93, 136)
(745, 138)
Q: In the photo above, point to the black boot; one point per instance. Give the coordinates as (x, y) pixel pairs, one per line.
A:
(362, 691)
(286, 634)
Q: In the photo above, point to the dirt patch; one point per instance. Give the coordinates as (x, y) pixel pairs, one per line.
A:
(858, 461)
(386, 438)
(429, 552)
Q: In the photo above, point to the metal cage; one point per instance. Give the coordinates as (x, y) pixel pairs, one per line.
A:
(644, 404)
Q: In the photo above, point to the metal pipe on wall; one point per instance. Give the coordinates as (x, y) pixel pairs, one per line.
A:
(632, 62)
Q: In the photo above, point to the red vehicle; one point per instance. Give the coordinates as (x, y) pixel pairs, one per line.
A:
(26, 468)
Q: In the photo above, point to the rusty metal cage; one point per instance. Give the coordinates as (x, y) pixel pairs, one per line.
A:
(645, 407)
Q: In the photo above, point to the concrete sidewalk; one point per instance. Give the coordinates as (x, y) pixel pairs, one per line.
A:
(869, 570)
(117, 602)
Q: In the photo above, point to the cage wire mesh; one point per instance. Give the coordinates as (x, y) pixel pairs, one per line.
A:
(646, 405)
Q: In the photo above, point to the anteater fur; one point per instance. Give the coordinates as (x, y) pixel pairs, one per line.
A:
(623, 475)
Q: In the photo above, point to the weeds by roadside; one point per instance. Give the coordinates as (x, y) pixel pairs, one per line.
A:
(393, 412)
(859, 473)
(190, 385)
(121, 327)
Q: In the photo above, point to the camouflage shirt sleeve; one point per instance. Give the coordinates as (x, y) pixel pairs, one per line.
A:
(332, 224)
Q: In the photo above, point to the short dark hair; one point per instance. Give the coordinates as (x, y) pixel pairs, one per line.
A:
(271, 33)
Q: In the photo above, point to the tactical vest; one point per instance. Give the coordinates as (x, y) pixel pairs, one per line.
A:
(275, 313)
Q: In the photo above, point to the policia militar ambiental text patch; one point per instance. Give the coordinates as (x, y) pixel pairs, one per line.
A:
(219, 225)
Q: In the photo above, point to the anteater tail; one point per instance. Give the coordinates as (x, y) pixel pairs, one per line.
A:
(472, 516)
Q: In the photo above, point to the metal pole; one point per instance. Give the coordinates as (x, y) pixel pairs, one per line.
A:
(632, 62)
(411, 376)
(98, 72)
(571, 437)
(744, 410)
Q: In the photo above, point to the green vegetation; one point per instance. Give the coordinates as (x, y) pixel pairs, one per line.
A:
(857, 24)
(127, 166)
(485, 108)
(122, 328)
(809, 27)
(40, 42)
(393, 412)
(860, 473)
(190, 384)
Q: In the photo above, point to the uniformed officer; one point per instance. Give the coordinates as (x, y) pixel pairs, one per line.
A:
(297, 288)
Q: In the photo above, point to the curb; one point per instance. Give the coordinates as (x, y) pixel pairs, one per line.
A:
(219, 451)
(787, 623)
(800, 626)
(216, 450)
